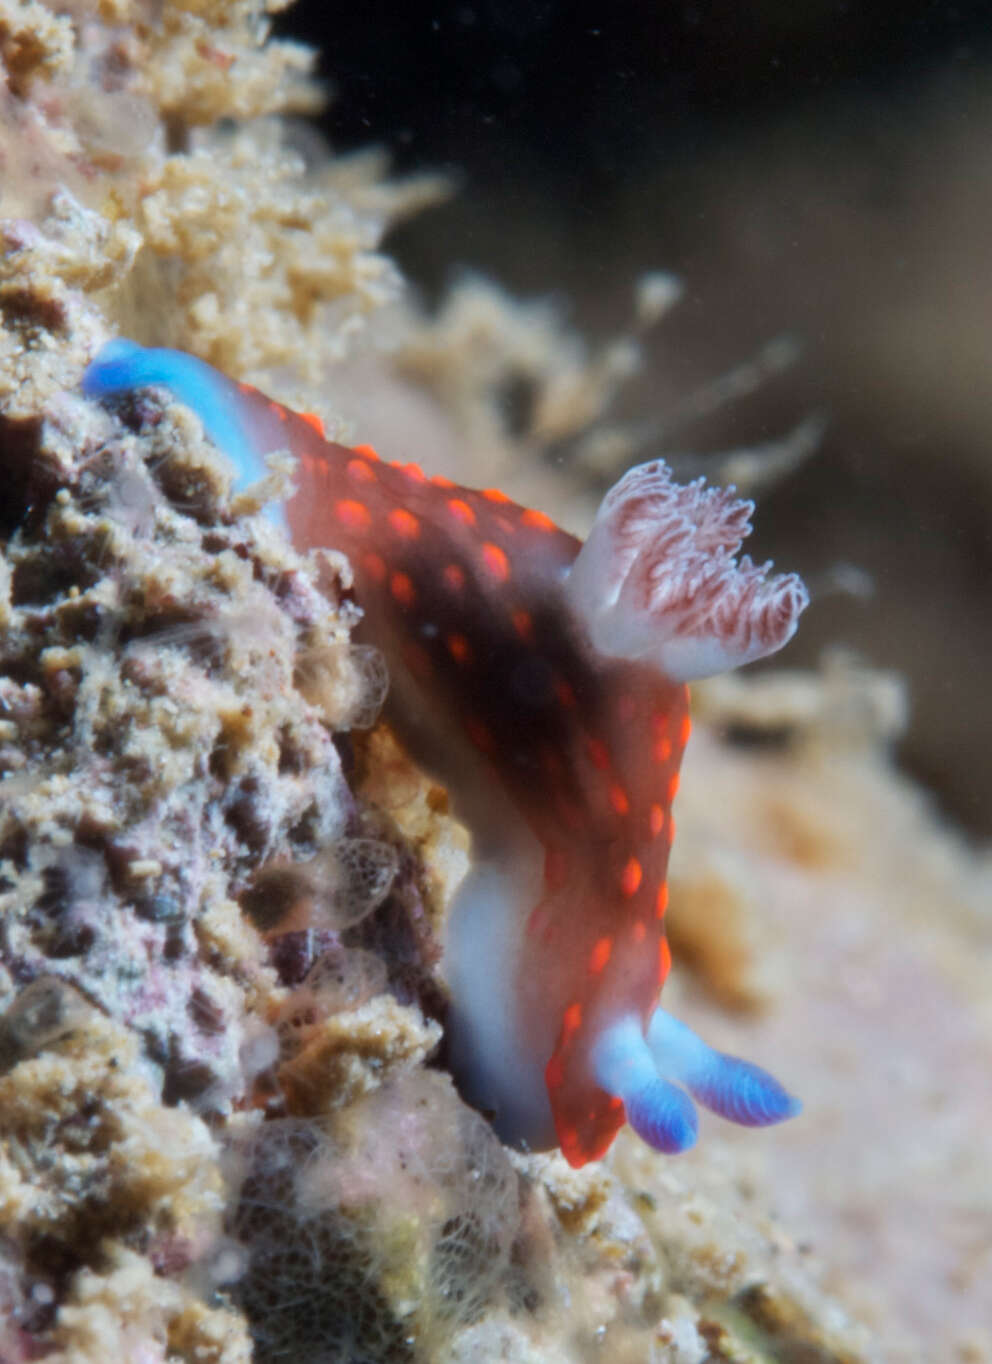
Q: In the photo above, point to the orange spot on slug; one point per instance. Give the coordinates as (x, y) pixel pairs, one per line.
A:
(600, 955)
(369, 451)
(354, 515)
(537, 520)
(401, 586)
(459, 648)
(496, 561)
(461, 511)
(571, 1023)
(618, 799)
(494, 495)
(404, 523)
(361, 471)
(454, 577)
(631, 877)
(662, 749)
(661, 903)
(314, 422)
(664, 961)
(656, 820)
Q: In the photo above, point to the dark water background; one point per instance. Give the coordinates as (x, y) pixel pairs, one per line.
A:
(818, 171)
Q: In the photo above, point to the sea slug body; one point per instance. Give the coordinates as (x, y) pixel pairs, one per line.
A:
(544, 682)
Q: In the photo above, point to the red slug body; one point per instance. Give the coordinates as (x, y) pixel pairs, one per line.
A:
(545, 684)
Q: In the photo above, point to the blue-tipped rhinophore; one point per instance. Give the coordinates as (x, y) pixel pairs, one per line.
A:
(735, 1089)
(646, 1072)
(663, 1116)
(659, 1113)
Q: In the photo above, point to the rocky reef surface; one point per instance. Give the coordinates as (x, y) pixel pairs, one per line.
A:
(225, 1132)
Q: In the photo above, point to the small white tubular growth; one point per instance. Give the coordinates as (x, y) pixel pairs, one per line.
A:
(658, 579)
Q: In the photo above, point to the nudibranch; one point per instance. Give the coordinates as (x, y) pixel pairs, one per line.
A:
(543, 681)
